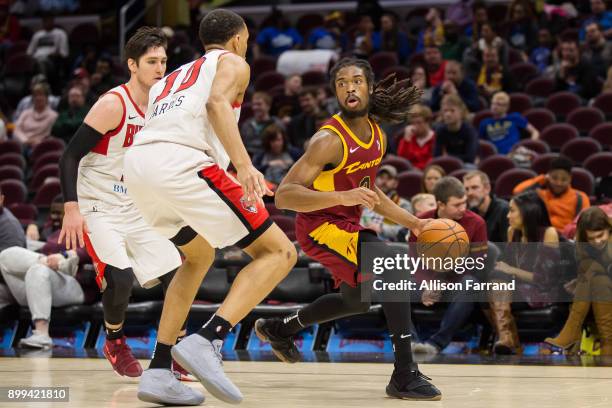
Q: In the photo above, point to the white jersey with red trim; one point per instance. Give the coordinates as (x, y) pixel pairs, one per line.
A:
(177, 109)
(101, 170)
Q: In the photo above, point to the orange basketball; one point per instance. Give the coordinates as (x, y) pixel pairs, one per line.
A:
(442, 239)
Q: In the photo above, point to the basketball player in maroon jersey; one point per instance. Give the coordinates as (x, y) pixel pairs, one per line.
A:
(327, 187)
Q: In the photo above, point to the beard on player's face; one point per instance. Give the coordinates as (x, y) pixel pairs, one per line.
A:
(354, 113)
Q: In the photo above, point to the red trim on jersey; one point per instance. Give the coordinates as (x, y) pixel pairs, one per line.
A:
(236, 105)
(99, 266)
(102, 146)
(127, 91)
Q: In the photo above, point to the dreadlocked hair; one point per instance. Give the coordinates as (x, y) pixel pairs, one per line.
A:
(391, 100)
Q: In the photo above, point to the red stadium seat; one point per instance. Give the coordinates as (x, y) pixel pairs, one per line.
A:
(44, 172)
(558, 134)
(600, 164)
(314, 78)
(562, 103)
(583, 180)
(14, 191)
(459, 173)
(486, 149)
(523, 72)
(50, 144)
(480, 116)
(603, 134)
(268, 80)
(585, 119)
(509, 179)
(262, 64)
(537, 146)
(382, 60)
(9, 171)
(399, 163)
(496, 165)
(448, 163)
(47, 158)
(400, 72)
(14, 159)
(46, 193)
(580, 149)
(520, 102)
(603, 102)
(26, 213)
(541, 164)
(10, 146)
(540, 118)
(409, 183)
(541, 87)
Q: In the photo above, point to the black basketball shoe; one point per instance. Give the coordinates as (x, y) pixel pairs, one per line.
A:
(412, 386)
(283, 347)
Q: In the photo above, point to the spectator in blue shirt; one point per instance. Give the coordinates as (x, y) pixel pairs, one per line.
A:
(390, 38)
(280, 37)
(541, 56)
(329, 36)
(601, 16)
(504, 129)
(456, 84)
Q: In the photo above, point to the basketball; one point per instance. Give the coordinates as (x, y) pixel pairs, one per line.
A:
(443, 239)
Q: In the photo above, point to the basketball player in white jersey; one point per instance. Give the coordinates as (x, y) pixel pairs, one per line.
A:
(176, 174)
(98, 212)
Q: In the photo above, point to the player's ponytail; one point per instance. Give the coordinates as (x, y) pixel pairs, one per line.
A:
(392, 100)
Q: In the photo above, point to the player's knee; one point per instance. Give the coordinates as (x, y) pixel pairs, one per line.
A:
(119, 284)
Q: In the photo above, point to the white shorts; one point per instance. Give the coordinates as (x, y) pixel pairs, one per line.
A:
(120, 237)
(181, 192)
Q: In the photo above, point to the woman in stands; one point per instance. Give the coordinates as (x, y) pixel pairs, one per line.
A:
(594, 282)
(431, 175)
(530, 258)
(275, 160)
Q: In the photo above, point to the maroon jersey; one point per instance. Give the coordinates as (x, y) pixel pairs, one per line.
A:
(359, 165)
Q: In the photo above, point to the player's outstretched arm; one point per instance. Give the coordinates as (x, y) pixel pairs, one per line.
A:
(104, 116)
(293, 192)
(229, 85)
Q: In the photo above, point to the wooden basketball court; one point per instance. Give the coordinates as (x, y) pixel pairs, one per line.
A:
(328, 385)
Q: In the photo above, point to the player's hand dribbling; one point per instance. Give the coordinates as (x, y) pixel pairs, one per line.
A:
(253, 183)
(420, 225)
(73, 227)
(359, 196)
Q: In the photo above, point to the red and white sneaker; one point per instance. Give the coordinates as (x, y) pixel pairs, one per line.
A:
(181, 374)
(119, 354)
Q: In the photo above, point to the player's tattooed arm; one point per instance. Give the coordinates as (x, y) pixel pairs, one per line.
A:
(325, 148)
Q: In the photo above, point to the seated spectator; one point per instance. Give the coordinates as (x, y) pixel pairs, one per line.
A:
(573, 74)
(418, 76)
(423, 202)
(521, 31)
(11, 231)
(71, 117)
(555, 189)
(330, 36)
(303, 126)
(288, 104)
(592, 286)
(34, 124)
(27, 101)
(461, 13)
(455, 43)
(253, 128)
(327, 102)
(483, 202)
(278, 38)
(456, 136)
(417, 143)
(480, 17)
(596, 51)
(362, 43)
(10, 29)
(434, 65)
(40, 282)
(391, 38)
(504, 129)
(433, 33)
(541, 56)
(52, 225)
(489, 39)
(600, 16)
(103, 79)
(451, 201)
(494, 77)
(48, 43)
(274, 161)
(473, 56)
(455, 83)
(532, 266)
(431, 175)
(387, 230)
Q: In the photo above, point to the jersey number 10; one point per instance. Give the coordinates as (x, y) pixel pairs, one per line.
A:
(190, 78)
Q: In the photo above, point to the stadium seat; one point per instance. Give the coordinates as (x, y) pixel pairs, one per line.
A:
(541, 87)
(47, 158)
(26, 213)
(603, 102)
(600, 164)
(523, 72)
(84, 34)
(261, 64)
(509, 179)
(537, 146)
(268, 80)
(583, 180)
(400, 72)
(382, 60)
(603, 134)
(562, 103)
(486, 149)
(520, 102)
(409, 183)
(480, 116)
(44, 172)
(459, 173)
(46, 193)
(285, 223)
(558, 134)
(272, 210)
(50, 144)
(13, 159)
(10, 146)
(314, 78)
(495, 165)
(585, 119)
(541, 164)
(540, 118)
(399, 163)
(448, 163)
(14, 191)
(579, 149)
(10, 171)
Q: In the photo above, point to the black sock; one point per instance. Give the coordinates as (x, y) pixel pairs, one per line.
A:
(289, 325)
(402, 349)
(114, 334)
(215, 329)
(161, 356)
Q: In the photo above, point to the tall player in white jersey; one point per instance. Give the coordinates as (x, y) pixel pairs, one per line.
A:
(176, 175)
(98, 212)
